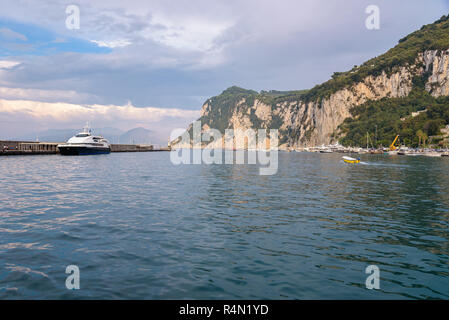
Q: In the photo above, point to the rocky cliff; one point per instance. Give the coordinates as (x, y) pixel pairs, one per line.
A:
(311, 118)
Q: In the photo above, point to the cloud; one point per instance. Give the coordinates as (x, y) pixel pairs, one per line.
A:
(66, 112)
(6, 64)
(9, 34)
(113, 43)
(193, 34)
(41, 95)
(18, 117)
(160, 54)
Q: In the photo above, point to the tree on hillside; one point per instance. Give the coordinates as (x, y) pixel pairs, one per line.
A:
(422, 137)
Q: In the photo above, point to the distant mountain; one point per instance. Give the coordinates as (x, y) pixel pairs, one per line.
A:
(61, 135)
(137, 136)
(112, 134)
(52, 135)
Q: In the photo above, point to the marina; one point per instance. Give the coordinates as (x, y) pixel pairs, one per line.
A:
(403, 151)
(11, 147)
(392, 150)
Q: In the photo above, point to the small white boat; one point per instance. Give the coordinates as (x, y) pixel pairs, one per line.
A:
(413, 154)
(432, 154)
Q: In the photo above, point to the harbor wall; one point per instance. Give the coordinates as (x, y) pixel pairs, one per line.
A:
(11, 147)
(130, 148)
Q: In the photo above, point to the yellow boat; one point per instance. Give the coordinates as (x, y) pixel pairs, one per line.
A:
(351, 160)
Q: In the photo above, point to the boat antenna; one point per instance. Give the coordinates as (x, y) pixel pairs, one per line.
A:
(87, 128)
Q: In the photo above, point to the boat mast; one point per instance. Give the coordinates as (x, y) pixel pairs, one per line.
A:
(86, 128)
(376, 146)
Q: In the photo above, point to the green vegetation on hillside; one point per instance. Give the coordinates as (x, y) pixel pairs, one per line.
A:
(274, 97)
(434, 36)
(223, 105)
(390, 117)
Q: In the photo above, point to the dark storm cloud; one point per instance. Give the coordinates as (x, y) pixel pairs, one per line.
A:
(174, 54)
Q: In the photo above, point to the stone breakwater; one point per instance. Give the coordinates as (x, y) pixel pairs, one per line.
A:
(10, 147)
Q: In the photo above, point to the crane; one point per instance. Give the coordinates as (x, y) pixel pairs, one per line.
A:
(392, 146)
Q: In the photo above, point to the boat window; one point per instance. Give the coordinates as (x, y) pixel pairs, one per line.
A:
(82, 135)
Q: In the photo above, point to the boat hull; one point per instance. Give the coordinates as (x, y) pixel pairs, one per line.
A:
(352, 161)
(82, 151)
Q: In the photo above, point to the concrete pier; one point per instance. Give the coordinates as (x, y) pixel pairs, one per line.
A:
(130, 148)
(39, 147)
(10, 148)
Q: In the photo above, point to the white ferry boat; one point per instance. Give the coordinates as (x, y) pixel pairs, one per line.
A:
(84, 143)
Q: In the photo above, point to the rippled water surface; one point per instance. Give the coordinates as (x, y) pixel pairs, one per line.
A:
(139, 227)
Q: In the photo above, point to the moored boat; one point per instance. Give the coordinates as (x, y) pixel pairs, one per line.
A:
(432, 154)
(84, 143)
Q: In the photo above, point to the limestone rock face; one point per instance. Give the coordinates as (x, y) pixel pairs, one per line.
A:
(317, 121)
(312, 123)
(436, 63)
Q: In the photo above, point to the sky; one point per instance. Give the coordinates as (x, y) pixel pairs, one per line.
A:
(153, 63)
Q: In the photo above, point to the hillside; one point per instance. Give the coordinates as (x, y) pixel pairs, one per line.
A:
(434, 36)
(409, 77)
(417, 119)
